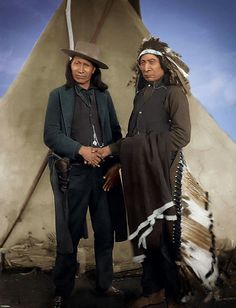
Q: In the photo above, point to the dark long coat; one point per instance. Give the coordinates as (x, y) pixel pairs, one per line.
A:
(57, 132)
(150, 154)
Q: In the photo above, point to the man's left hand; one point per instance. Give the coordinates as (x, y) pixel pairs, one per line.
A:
(112, 177)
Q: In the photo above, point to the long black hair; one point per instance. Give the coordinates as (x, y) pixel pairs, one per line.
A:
(96, 79)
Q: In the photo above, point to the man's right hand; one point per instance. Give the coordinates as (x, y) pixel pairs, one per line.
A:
(91, 156)
(105, 151)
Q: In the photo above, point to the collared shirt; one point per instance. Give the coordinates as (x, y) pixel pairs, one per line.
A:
(86, 127)
(157, 109)
(149, 113)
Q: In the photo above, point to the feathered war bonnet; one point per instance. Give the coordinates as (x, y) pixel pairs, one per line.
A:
(170, 61)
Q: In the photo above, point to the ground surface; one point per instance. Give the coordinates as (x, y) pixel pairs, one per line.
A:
(34, 289)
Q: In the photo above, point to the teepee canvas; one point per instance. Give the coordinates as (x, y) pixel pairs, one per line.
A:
(26, 202)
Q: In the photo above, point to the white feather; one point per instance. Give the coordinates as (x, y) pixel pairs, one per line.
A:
(200, 260)
(197, 213)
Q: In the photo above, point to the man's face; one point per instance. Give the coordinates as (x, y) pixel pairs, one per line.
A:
(82, 71)
(150, 67)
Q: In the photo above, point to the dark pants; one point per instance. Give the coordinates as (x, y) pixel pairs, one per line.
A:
(85, 190)
(159, 271)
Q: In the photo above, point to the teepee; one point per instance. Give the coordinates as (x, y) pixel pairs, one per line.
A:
(26, 204)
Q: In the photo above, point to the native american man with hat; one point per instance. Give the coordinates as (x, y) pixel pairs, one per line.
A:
(81, 118)
(159, 127)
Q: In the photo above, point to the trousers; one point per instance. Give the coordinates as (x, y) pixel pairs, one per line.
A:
(160, 271)
(85, 191)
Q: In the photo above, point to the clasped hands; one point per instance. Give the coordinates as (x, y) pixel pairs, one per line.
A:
(94, 156)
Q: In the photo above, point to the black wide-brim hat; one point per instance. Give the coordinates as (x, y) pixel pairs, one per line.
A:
(87, 51)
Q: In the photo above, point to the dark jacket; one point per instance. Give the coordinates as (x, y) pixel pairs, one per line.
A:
(57, 129)
(177, 107)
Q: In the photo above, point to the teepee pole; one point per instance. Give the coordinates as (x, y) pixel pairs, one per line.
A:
(30, 193)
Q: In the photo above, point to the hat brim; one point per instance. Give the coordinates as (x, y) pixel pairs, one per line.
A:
(73, 53)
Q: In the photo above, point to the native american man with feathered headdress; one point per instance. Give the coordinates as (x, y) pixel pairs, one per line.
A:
(159, 127)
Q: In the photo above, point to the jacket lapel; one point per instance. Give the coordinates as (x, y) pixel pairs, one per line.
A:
(67, 100)
(100, 106)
